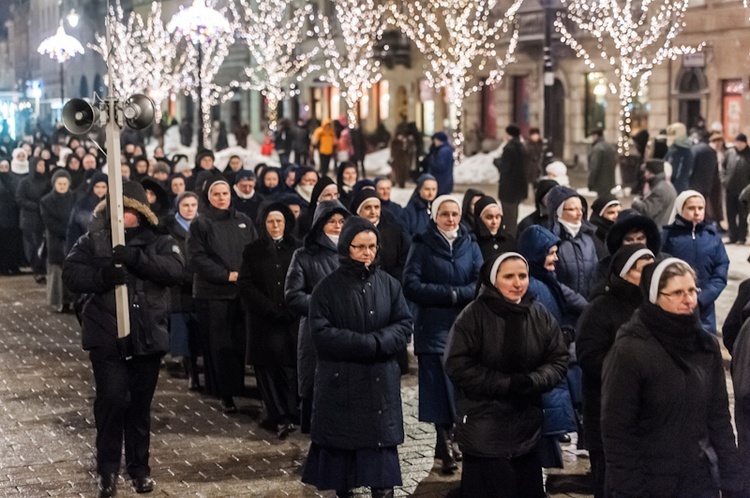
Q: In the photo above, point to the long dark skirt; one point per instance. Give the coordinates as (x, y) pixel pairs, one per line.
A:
(222, 325)
(331, 468)
(519, 477)
(436, 402)
(11, 249)
(278, 390)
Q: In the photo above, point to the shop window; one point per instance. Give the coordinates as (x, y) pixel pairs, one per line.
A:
(596, 102)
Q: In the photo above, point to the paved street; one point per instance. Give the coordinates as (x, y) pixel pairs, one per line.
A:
(47, 431)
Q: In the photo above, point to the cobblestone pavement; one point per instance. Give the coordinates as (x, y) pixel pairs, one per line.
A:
(47, 429)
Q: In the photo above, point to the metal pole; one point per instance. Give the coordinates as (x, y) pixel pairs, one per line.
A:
(549, 81)
(62, 85)
(201, 124)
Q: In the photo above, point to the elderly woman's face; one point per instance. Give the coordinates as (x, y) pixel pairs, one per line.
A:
(679, 295)
(364, 247)
(572, 211)
(4, 166)
(220, 197)
(178, 186)
(512, 279)
(188, 208)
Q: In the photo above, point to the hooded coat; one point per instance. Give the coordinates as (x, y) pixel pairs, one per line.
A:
(702, 248)
(317, 258)
(83, 211)
(680, 156)
(270, 193)
(181, 295)
(512, 167)
(55, 211)
(665, 412)
(305, 220)
(9, 210)
(28, 196)
(490, 245)
(579, 255)
(273, 325)
(214, 248)
(601, 224)
(602, 164)
(440, 280)
(441, 167)
(495, 421)
(359, 321)
(538, 217)
(467, 215)
(416, 215)
(250, 207)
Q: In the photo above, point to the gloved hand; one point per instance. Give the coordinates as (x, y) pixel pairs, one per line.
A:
(520, 383)
(123, 255)
(114, 275)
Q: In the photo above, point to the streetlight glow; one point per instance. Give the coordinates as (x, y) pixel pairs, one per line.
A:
(61, 46)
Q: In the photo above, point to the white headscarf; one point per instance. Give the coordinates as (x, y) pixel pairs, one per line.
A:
(19, 167)
(653, 289)
(680, 202)
(496, 265)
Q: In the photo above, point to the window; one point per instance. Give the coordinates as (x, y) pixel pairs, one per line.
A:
(596, 102)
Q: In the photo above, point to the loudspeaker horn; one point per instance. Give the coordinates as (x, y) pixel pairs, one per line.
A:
(139, 111)
(79, 116)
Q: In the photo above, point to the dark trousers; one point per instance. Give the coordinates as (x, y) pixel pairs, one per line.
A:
(284, 159)
(519, 477)
(736, 218)
(325, 161)
(598, 472)
(301, 157)
(32, 241)
(278, 389)
(124, 390)
(510, 217)
(223, 338)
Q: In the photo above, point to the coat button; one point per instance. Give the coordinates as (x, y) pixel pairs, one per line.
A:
(377, 379)
(372, 312)
(380, 412)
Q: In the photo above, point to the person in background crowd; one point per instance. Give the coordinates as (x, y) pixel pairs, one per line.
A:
(214, 251)
(679, 156)
(140, 168)
(317, 258)
(289, 177)
(19, 165)
(324, 190)
(535, 154)
(736, 176)
(234, 166)
(383, 187)
(55, 208)
(640, 139)
(157, 197)
(471, 197)
(489, 230)
(304, 183)
(604, 212)
(184, 333)
(273, 325)
(415, 218)
(204, 161)
(88, 161)
(161, 172)
(344, 149)
(440, 276)
(611, 307)
(357, 369)
(83, 210)
(602, 161)
(269, 183)
(503, 352)
(28, 195)
(284, 141)
(73, 167)
(301, 144)
(440, 163)
(244, 196)
(538, 217)
(402, 155)
(706, 173)
(346, 178)
(125, 370)
(176, 184)
(324, 139)
(658, 203)
(512, 166)
(665, 365)
(690, 238)
(10, 234)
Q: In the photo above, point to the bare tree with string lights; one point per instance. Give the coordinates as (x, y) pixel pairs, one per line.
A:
(273, 32)
(632, 37)
(349, 61)
(460, 39)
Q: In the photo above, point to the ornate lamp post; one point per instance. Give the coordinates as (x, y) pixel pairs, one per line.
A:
(61, 47)
(200, 25)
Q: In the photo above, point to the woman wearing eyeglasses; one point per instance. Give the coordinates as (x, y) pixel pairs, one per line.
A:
(665, 416)
(317, 258)
(359, 321)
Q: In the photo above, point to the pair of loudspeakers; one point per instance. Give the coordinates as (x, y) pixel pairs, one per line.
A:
(79, 117)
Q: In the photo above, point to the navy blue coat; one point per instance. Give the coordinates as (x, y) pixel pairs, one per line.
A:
(441, 167)
(415, 218)
(681, 159)
(359, 320)
(440, 280)
(701, 247)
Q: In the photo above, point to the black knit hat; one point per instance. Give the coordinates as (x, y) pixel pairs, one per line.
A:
(655, 166)
(513, 131)
(201, 155)
(352, 226)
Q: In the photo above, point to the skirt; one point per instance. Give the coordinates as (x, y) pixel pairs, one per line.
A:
(332, 468)
(436, 402)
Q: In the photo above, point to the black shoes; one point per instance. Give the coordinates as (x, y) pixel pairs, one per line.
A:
(284, 429)
(143, 484)
(228, 406)
(107, 485)
(444, 452)
(382, 492)
(564, 438)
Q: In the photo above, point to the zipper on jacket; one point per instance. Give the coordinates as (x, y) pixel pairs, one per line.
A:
(693, 232)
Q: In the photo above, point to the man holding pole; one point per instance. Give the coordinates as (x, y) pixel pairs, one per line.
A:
(126, 368)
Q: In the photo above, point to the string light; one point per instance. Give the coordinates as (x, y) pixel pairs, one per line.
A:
(353, 69)
(460, 38)
(273, 41)
(632, 38)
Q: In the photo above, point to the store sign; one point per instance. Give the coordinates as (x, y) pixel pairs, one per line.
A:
(697, 59)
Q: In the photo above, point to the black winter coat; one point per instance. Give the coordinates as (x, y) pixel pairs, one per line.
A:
(512, 167)
(273, 325)
(214, 249)
(359, 320)
(494, 422)
(8, 205)
(595, 335)
(394, 247)
(664, 429)
(181, 295)
(159, 266)
(55, 210)
(28, 196)
(248, 207)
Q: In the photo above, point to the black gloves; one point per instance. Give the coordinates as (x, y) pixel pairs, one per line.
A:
(114, 275)
(520, 383)
(123, 255)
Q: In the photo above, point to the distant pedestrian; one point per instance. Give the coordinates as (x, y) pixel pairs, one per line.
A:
(10, 233)
(301, 143)
(28, 196)
(513, 189)
(324, 139)
(415, 218)
(284, 141)
(55, 208)
(440, 163)
(402, 156)
(602, 162)
(679, 156)
(705, 173)
(736, 178)
(658, 203)
(535, 153)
